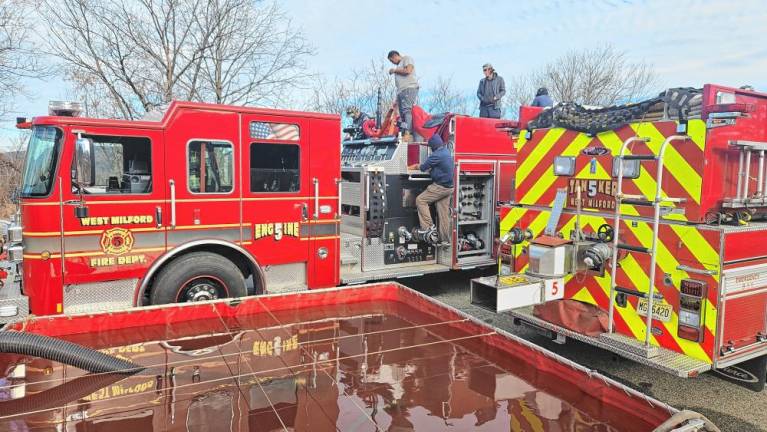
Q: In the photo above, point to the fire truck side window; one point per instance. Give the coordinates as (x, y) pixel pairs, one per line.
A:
(274, 167)
(218, 175)
(121, 165)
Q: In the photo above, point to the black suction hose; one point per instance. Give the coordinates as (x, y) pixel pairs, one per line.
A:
(35, 345)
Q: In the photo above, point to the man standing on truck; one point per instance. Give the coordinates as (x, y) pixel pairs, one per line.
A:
(440, 166)
(491, 90)
(406, 83)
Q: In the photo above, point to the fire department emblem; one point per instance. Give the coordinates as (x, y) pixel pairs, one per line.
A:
(116, 241)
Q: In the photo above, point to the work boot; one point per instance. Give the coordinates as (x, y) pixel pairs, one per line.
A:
(428, 235)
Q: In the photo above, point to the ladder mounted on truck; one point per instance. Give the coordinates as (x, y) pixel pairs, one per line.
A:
(656, 203)
(743, 197)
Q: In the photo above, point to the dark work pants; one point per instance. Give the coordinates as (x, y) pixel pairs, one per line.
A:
(489, 111)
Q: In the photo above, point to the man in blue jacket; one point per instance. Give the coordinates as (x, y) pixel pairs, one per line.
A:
(542, 98)
(440, 166)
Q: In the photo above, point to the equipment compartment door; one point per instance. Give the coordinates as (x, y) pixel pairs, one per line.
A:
(325, 214)
(276, 197)
(475, 199)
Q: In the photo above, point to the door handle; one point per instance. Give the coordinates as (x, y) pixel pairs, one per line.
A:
(172, 204)
(158, 216)
(316, 198)
(304, 211)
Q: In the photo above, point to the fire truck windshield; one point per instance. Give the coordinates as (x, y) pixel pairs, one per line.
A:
(40, 163)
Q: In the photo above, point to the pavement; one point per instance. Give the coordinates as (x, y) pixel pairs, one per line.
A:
(729, 406)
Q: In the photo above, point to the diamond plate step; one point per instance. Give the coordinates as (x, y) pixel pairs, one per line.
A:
(349, 259)
(666, 360)
(628, 344)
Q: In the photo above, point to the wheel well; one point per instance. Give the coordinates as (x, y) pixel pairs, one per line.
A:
(245, 264)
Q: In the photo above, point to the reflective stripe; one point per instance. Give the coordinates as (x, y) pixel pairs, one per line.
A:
(188, 200)
(645, 183)
(543, 146)
(91, 253)
(674, 163)
(322, 238)
(548, 177)
(696, 129)
(689, 237)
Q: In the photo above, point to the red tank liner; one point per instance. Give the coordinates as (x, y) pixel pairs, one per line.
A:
(600, 397)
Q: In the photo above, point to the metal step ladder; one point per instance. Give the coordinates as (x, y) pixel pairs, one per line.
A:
(639, 200)
(744, 197)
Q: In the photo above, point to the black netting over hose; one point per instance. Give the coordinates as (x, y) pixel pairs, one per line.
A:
(676, 103)
(35, 345)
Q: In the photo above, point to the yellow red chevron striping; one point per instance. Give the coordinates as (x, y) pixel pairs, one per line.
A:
(678, 244)
(684, 161)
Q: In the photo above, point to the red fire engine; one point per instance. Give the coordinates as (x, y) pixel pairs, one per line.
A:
(656, 206)
(214, 201)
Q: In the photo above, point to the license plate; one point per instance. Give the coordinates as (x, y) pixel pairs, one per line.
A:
(660, 311)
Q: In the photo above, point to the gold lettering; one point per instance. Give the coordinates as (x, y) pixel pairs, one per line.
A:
(119, 260)
(116, 220)
(277, 230)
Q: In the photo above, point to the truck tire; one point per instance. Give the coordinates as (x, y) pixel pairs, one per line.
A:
(198, 276)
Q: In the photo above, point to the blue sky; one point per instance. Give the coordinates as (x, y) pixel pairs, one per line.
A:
(689, 42)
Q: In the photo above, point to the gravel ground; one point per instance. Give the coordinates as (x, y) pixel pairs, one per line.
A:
(732, 408)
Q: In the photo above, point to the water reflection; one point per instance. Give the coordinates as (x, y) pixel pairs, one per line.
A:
(384, 368)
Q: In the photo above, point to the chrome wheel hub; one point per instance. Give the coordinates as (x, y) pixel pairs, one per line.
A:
(201, 292)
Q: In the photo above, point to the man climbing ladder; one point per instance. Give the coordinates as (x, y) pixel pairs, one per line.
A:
(440, 166)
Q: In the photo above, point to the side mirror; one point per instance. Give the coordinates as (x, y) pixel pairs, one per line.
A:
(83, 171)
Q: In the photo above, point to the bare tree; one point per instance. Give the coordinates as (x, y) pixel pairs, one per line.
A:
(444, 97)
(18, 57)
(130, 56)
(520, 90)
(359, 89)
(11, 164)
(593, 76)
(255, 56)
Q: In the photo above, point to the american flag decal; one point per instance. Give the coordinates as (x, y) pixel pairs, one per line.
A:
(274, 131)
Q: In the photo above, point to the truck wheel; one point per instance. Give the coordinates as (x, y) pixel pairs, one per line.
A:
(198, 276)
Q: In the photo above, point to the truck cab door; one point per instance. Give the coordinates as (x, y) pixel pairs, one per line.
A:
(277, 197)
(107, 252)
(204, 193)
